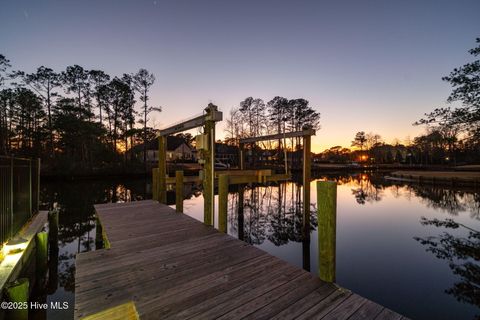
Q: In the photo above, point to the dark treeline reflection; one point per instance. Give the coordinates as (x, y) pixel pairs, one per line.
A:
(452, 201)
(457, 244)
(462, 253)
(370, 188)
(273, 213)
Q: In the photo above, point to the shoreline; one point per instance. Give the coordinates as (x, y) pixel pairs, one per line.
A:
(453, 178)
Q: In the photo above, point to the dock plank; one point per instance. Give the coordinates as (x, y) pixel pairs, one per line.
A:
(305, 303)
(290, 297)
(171, 266)
(162, 277)
(232, 294)
(388, 314)
(346, 308)
(368, 310)
(324, 306)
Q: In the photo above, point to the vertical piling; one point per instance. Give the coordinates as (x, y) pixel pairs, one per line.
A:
(179, 190)
(11, 196)
(307, 169)
(162, 169)
(41, 254)
(38, 184)
(30, 187)
(52, 283)
(306, 253)
(241, 220)
(53, 226)
(98, 234)
(209, 167)
(242, 156)
(326, 216)
(155, 184)
(222, 202)
(18, 292)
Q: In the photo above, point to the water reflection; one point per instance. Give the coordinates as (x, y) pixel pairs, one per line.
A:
(273, 213)
(367, 191)
(271, 217)
(74, 202)
(452, 201)
(377, 220)
(370, 188)
(462, 253)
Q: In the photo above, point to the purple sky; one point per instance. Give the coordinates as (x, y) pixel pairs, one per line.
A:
(364, 65)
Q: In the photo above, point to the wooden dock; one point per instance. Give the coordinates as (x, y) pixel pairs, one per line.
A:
(171, 266)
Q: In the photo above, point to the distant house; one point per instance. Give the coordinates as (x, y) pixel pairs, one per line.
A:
(226, 154)
(177, 150)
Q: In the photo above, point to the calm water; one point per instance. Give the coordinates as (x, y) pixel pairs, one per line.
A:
(414, 249)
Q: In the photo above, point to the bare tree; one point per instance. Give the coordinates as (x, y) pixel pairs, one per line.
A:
(142, 81)
(98, 79)
(43, 82)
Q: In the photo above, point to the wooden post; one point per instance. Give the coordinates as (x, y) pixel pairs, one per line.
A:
(41, 254)
(102, 234)
(53, 251)
(30, 186)
(306, 253)
(209, 168)
(307, 172)
(307, 166)
(155, 184)
(53, 226)
(11, 196)
(327, 224)
(18, 292)
(179, 190)
(222, 202)
(241, 220)
(38, 184)
(242, 156)
(162, 169)
(98, 234)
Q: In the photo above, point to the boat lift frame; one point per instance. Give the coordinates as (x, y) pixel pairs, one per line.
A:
(207, 121)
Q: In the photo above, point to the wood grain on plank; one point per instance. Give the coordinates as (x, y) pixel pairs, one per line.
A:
(174, 267)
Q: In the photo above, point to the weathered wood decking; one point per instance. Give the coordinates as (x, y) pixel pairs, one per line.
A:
(174, 267)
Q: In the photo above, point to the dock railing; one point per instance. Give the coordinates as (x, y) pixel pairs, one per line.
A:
(19, 194)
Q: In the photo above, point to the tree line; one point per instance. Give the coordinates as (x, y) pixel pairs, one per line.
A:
(79, 118)
(452, 133)
(75, 117)
(431, 148)
(253, 117)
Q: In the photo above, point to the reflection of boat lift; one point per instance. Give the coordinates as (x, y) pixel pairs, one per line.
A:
(245, 176)
(326, 191)
(326, 202)
(206, 146)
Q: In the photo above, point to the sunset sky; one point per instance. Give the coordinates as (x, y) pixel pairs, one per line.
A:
(374, 66)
